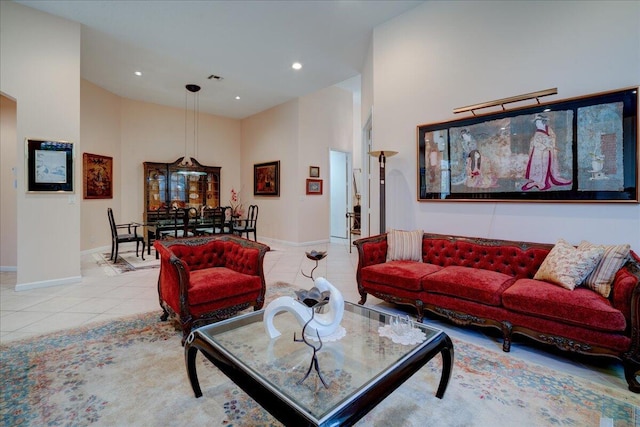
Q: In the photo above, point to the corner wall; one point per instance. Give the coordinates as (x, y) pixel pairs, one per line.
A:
(298, 133)
(100, 134)
(444, 55)
(40, 69)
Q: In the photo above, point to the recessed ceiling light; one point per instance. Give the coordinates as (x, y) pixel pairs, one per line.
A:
(237, 97)
(296, 65)
(138, 73)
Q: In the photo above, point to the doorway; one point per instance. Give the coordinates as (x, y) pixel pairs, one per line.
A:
(8, 184)
(340, 192)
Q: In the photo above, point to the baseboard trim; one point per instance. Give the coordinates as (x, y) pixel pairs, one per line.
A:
(267, 240)
(100, 249)
(48, 283)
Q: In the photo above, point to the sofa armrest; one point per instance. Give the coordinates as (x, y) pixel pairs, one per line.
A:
(626, 282)
(371, 250)
(626, 298)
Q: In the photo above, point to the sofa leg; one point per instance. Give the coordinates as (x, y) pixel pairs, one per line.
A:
(632, 374)
(507, 329)
(363, 298)
(420, 309)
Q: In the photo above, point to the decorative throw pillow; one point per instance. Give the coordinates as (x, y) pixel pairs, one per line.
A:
(602, 277)
(567, 266)
(404, 245)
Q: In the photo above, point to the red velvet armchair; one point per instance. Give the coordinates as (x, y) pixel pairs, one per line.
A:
(207, 279)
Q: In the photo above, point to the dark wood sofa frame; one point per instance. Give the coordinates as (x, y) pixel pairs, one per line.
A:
(372, 250)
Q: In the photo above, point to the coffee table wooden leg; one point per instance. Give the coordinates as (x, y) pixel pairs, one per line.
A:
(447, 365)
(190, 360)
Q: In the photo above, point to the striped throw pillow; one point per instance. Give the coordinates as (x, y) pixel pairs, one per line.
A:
(602, 277)
(404, 245)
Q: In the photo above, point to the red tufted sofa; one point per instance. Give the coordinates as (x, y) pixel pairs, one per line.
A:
(489, 283)
(207, 279)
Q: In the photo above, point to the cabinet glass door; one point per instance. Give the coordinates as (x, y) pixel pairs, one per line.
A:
(156, 189)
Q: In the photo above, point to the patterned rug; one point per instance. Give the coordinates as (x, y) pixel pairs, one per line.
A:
(131, 372)
(126, 261)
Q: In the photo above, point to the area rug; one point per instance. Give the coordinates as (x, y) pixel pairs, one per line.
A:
(131, 372)
(126, 261)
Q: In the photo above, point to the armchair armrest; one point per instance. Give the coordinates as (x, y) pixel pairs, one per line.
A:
(173, 280)
(123, 226)
(128, 226)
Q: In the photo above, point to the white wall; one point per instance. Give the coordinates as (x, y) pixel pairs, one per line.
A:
(444, 55)
(326, 123)
(100, 134)
(40, 69)
(269, 136)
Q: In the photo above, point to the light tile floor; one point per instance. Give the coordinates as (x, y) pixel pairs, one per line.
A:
(100, 297)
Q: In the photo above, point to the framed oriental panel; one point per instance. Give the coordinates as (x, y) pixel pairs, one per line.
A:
(576, 150)
(97, 176)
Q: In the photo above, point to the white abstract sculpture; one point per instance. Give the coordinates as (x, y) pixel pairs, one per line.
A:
(323, 324)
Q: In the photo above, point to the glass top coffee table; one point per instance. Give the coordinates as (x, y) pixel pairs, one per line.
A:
(361, 369)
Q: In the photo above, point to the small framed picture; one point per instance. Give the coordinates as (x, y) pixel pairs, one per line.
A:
(314, 186)
(314, 171)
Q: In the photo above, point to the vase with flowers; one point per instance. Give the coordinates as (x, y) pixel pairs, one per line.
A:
(236, 204)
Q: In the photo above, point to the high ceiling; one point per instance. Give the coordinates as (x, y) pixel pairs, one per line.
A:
(250, 44)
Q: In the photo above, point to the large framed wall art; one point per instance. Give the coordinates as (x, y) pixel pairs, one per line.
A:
(49, 166)
(574, 150)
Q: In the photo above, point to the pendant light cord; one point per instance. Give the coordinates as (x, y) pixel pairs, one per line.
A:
(186, 115)
(196, 122)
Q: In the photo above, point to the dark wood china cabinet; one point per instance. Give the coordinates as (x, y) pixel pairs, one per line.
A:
(171, 185)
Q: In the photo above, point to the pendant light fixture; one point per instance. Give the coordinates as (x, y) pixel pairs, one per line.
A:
(195, 91)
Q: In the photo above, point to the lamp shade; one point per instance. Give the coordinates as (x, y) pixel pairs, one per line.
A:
(387, 153)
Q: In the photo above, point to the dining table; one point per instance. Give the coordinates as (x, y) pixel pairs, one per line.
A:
(200, 226)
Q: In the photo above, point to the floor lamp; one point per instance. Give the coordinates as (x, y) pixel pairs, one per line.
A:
(382, 156)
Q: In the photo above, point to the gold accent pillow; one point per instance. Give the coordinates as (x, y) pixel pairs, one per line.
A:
(567, 266)
(404, 245)
(602, 277)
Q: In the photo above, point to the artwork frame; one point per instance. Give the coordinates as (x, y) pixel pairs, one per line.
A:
(314, 187)
(314, 171)
(49, 166)
(266, 179)
(580, 150)
(97, 176)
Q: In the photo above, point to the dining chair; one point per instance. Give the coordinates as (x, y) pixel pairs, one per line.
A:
(247, 225)
(184, 223)
(215, 221)
(129, 237)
